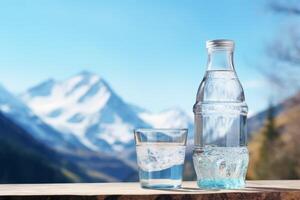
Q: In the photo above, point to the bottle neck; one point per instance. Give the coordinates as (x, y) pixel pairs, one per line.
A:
(220, 59)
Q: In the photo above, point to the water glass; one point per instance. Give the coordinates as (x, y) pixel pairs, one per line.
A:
(160, 156)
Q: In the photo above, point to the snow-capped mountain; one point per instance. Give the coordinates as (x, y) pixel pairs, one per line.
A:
(86, 106)
(170, 118)
(18, 112)
(84, 113)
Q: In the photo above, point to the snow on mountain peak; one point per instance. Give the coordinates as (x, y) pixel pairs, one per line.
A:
(59, 97)
(9, 103)
(43, 89)
(86, 106)
(170, 118)
(13, 108)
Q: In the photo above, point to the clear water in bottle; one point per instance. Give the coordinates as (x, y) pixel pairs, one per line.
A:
(220, 155)
(221, 167)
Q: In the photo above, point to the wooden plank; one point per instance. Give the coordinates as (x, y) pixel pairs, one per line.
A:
(255, 190)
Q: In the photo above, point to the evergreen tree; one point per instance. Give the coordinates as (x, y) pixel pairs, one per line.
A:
(264, 169)
(271, 131)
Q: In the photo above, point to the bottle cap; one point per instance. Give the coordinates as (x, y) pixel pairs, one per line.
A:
(221, 43)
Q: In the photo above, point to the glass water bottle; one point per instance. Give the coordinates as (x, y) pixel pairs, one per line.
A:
(220, 154)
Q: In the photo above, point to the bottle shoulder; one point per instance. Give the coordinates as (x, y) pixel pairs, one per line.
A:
(220, 89)
(220, 85)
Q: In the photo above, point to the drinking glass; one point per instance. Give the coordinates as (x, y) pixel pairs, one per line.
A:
(160, 156)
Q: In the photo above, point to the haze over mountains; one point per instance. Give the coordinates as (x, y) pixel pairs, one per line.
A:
(86, 123)
(85, 128)
(86, 107)
(17, 111)
(275, 147)
(25, 160)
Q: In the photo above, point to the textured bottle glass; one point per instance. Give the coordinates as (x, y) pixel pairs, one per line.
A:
(220, 155)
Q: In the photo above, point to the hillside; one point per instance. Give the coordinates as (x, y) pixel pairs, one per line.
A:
(284, 153)
(85, 124)
(277, 157)
(24, 160)
(86, 107)
(15, 110)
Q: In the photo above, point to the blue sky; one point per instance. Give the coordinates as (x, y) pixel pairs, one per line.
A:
(151, 52)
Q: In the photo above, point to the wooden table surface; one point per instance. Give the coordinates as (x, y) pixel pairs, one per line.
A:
(254, 190)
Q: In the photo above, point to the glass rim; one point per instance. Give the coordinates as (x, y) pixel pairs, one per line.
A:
(160, 129)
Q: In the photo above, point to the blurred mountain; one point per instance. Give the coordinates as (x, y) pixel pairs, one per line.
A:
(85, 125)
(170, 118)
(256, 122)
(89, 109)
(86, 107)
(274, 148)
(25, 160)
(85, 165)
(283, 152)
(17, 111)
